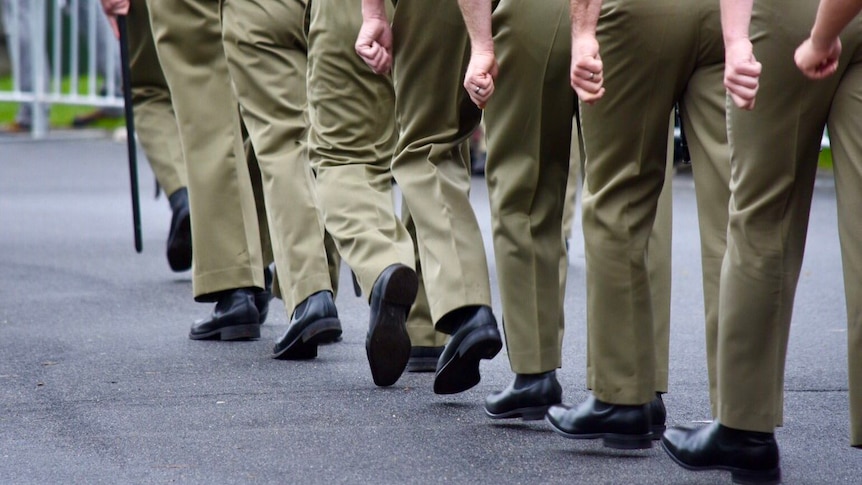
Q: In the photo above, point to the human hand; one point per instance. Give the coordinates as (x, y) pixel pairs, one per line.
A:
(587, 76)
(818, 61)
(112, 9)
(741, 73)
(374, 44)
(479, 80)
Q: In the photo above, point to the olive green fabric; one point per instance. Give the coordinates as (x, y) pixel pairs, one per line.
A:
(431, 163)
(774, 165)
(155, 122)
(265, 47)
(420, 327)
(658, 256)
(655, 54)
(351, 139)
(225, 234)
(528, 127)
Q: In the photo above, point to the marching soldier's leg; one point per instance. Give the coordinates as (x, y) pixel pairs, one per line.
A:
(264, 44)
(844, 130)
(228, 268)
(352, 136)
(527, 171)
(156, 127)
(432, 169)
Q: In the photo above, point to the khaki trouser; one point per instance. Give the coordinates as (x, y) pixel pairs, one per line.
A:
(351, 139)
(624, 180)
(264, 43)
(420, 327)
(431, 164)
(528, 127)
(225, 239)
(774, 164)
(533, 327)
(155, 122)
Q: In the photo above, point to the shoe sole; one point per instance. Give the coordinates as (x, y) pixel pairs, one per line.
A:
(233, 332)
(180, 245)
(737, 475)
(461, 372)
(657, 431)
(530, 413)
(387, 346)
(616, 441)
(304, 346)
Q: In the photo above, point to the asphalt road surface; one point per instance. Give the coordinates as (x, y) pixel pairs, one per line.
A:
(100, 384)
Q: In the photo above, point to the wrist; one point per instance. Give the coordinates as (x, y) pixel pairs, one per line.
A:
(819, 42)
(482, 48)
(584, 36)
(373, 10)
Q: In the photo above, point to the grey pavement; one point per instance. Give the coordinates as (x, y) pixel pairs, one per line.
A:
(100, 384)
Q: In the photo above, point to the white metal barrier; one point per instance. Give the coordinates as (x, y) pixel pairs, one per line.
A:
(39, 69)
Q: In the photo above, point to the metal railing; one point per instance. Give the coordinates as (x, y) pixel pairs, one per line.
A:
(40, 66)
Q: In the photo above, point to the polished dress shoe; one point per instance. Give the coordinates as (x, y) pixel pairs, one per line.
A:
(619, 426)
(424, 359)
(658, 417)
(476, 338)
(179, 246)
(234, 318)
(528, 397)
(313, 321)
(751, 457)
(387, 344)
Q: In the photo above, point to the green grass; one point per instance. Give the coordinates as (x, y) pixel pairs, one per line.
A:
(825, 161)
(61, 114)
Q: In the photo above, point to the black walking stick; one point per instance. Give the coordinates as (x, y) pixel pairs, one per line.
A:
(130, 130)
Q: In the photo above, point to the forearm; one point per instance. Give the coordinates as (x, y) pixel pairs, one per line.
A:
(735, 20)
(373, 9)
(477, 16)
(832, 17)
(585, 17)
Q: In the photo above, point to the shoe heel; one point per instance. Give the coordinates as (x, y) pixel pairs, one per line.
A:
(622, 442)
(534, 414)
(325, 330)
(304, 352)
(402, 287)
(241, 332)
(767, 477)
(482, 344)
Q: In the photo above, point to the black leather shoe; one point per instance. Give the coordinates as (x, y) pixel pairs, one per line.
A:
(528, 400)
(313, 321)
(262, 297)
(475, 339)
(179, 246)
(658, 417)
(424, 359)
(750, 456)
(387, 344)
(621, 427)
(234, 318)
